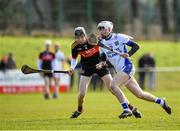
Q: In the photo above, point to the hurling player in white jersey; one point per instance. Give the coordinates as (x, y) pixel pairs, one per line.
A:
(123, 66)
(58, 64)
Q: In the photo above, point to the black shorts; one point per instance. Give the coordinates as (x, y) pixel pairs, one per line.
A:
(90, 71)
(47, 75)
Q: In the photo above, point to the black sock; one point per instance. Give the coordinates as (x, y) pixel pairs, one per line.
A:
(80, 108)
(130, 106)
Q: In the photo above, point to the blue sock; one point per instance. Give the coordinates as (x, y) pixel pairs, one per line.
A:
(125, 106)
(159, 101)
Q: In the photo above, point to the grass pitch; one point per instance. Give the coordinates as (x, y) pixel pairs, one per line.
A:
(101, 110)
(166, 52)
(31, 111)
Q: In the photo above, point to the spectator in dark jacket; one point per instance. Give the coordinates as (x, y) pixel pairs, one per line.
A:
(11, 64)
(146, 66)
(3, 63)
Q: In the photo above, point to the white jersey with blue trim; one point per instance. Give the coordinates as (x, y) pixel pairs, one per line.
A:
(117, 42)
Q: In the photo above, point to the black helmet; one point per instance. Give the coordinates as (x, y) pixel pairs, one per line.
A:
(78, 31)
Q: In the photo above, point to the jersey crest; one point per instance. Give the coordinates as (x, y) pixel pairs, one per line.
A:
(116, 43)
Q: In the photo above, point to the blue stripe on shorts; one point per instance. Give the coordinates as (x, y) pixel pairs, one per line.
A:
(128, 68)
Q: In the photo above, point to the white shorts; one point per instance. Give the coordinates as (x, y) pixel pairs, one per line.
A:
(57, 75)
(129, 69)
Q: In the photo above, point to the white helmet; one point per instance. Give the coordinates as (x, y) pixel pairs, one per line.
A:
(78, 31)
(105, 25)
(48, 42)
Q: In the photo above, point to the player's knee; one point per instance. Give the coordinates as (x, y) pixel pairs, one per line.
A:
(112, 88)
(139, 95)
(111, 91)
(81, 95)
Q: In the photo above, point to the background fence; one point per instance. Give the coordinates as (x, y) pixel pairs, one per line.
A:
(144, 19)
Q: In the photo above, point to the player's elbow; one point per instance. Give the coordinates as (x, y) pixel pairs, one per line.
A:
(137, 47)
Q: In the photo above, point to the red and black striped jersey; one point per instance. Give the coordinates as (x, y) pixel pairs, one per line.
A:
(89, 54)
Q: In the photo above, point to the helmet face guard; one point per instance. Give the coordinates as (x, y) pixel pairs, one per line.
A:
(79, 31)
(105, 25)
(101, 28)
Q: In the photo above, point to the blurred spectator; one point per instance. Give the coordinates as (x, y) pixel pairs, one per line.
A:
(3, 63)
(96, 82)
(78, 69)
(57, 65)
(72, 76)
(11, 64)
(146, 66)
(45, 61)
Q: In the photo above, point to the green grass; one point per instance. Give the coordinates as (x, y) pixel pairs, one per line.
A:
(31, 111)
(166, 53)
(26, 49)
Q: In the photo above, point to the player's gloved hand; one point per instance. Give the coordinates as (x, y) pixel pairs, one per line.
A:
(124, 55)
(101, 65)
(71, 71)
